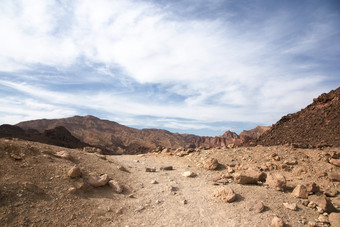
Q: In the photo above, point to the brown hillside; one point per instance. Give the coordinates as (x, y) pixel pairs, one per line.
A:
(111, 135)
(316, 125)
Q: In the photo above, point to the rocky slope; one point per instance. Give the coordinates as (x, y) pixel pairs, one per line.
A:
(316, 125)
(119, 139)
(59, 136)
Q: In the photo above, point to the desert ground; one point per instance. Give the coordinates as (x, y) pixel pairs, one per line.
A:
(166, 187)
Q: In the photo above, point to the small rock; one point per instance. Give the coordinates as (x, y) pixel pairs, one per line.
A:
(255, 205)
(276, 181)
(74, 172)
(331, 193)
(277, 222)
(225, 194)
(189, 174)
(122, 168)
(64, 155)
(154, 182)
(101, 156)
(173, 188)
(116, 186)
(166, 168)
(323, 219)
(325, 204)
(335, 162)
(150, 169)
(290, 162)
(248, 177)
(300, 191)
(291, 206)
(312, 224)
(98, 181)
(311, 204)
(184, 201)
(140, 208)
(312, 188)
(158, 201)
(334, 177)
(319, 210)
(33, 188)
(334, 219)
(210, 164)
(72, 190)
(119, 211)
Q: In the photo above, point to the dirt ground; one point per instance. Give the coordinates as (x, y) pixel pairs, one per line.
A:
(35, 187)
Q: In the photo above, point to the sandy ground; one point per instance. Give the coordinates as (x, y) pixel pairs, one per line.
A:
(174, 200)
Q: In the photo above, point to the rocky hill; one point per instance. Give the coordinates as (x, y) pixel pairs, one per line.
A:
(317, 125)
(119, 139)
(58, 136)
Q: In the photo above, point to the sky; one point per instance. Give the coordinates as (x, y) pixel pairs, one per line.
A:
(188, 66)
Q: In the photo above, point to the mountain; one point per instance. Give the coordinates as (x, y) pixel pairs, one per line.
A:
(58, 136)
(112, 136)
(316, 125)
(119, 139)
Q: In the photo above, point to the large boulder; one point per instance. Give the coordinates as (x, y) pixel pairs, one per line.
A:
(325, 204)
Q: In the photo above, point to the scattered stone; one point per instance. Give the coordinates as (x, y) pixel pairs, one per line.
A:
(319, 210)
(300, 191)
(311, 204)
(277, 222)
(98, 181)
(147, 169)
(173, 189)
(276, 181)
(158, 201)
(72, 190)
(313, 188)
(305, 202)
(323, 219)
(230, 170)
(189, 174)
(116, 186)
(140, 208)
(248, 177)
(290, 162)
(335, 162)
(74, 172)
(210, 164)
(325, 204)
(184, 201)
(334, 219)
(334, 177)
(154, 182)
(255, 205)
(166, 168)
(225, 194)
(291, 206)
(33, 188)
(122, 168)
(64, 155)
(331, 193)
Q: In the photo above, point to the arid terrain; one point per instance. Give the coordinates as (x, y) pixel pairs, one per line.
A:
(284, 175)
(37, 190)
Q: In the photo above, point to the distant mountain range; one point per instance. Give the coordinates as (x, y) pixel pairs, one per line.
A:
(119, 139)
(316, 125)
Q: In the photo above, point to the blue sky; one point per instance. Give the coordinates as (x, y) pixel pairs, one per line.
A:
(189, 66)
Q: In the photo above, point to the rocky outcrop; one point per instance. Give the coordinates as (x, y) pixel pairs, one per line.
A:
(317, 125)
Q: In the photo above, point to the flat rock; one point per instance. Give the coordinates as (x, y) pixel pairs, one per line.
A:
(98, 180)
(291, 206)
(29, 186)
(335, 162)
(225, 194)
(300, 191)
(255, 205)
(334, 177)
(147, 169)
(210, 164)
(74, 172)
(334, 219)
(276, 181)
(189, 174)
(64, 155)
(116, 186)
(277, 222)
(248, 177)
(166, 168)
